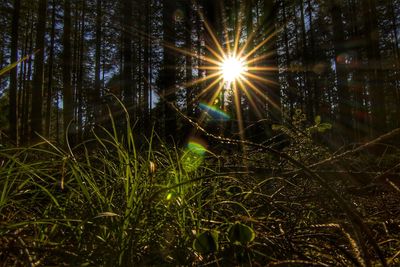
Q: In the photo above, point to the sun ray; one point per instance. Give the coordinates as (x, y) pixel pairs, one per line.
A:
(189, 53)
(230, 69)
(226, 36)
(214, 38)
(262, 68)
(212, 51)
(269, 100)
(216, 68)
(261, 44)
(238, 105)
(249, 97)
(202, 79)
(259, 78)
(246, 44)
(237, 39)
(208, 88)
(259, 58)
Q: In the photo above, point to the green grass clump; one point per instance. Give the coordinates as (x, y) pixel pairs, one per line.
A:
(112, 202)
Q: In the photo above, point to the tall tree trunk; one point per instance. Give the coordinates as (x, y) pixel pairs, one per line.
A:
(188, 59)
(275, 109)
(313, 88)
(97, 81)
(146, 66)
(168, 75)
(68, 110)
(127, 55)
(13, 115)
(396, 52)
(306, 66)
(345, 118)
(358, 84)
(37, 94)
(26, 100)
(81, 70)
(50, 76)
(376, 90)
(289, 75)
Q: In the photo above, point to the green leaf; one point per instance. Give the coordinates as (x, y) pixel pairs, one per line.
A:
(240, 234)
(317, 120)
(324, 126)
(206, 242)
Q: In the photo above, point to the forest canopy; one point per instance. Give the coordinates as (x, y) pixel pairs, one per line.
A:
(335, 59)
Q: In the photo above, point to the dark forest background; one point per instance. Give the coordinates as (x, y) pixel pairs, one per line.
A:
(336, 59)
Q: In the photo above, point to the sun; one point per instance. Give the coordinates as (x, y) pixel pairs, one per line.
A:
(232, 68)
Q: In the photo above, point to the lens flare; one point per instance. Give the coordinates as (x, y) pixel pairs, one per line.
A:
(214, 112)
(196, 148)
(193, 156)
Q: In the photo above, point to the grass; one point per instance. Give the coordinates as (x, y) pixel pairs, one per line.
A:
(109, 202)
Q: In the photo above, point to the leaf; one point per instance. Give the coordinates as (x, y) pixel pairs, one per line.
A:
(206, 242)
(324, 126)
(107, 214)
(241, 234)
(317, 120)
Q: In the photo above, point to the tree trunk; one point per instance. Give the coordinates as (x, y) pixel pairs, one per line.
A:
(168, 72)
(13, 115)
(26, 99)
(97, 82)
(275, 109)
(188, 59)
(127, 57)
(68, 110)
(50, 76)
(146, 70)
(80, 74)
(344, 109)
(376, 90)
(37, 94)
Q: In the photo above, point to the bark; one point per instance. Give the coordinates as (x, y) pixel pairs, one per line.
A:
(127, 68)
(81, 72)
(168, 72)
(50, 74)
(275, 106)
(68, 111)
(375, 73)
(97, 81)
(37, 94)
(146, 70)
(13, 112)
(344, 109)
(188, 59)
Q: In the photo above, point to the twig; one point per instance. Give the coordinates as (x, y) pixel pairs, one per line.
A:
(353, 215)
(357, 149)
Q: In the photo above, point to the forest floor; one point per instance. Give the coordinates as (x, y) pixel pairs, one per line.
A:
(242, 204)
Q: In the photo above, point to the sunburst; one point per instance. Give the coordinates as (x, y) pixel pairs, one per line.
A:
(236, 67)
(232, 68)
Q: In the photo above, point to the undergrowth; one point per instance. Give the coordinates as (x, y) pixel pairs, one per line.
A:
(115, 204)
